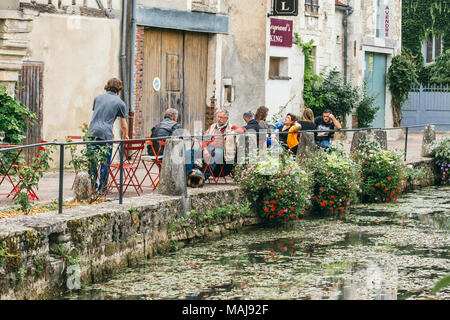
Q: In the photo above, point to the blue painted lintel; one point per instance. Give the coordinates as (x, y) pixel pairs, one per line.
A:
(182, 20)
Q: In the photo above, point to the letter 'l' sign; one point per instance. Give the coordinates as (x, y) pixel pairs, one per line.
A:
(285, 7)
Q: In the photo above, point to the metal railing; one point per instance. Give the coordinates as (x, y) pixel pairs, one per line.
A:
(203, 137)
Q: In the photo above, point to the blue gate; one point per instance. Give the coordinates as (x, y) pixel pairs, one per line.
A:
(427, 105)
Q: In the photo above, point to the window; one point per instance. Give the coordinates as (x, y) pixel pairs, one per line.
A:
(432, 48)
(312, 7)
(278, 68)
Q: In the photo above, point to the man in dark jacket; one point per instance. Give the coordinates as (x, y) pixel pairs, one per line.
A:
(164, 129)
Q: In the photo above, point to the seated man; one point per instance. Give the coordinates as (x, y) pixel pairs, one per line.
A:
(164, 129)
(254, 127)
(326, 122)
(215, 150)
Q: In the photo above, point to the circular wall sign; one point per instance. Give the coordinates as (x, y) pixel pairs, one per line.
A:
(157, 84)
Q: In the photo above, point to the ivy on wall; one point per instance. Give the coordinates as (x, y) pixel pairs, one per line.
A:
(420, 19)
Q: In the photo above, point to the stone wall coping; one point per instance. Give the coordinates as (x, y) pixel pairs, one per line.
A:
(14, 15)
(52, 222)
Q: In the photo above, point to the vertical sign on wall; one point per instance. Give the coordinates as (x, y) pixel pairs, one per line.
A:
(281, 32)
(386, 20)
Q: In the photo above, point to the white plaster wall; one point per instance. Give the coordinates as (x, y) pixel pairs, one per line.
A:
(280, 92)
(78, 63)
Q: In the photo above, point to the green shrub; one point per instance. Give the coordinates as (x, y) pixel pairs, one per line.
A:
(366, 111)
(383, 173)
(440, 71)
(441, 153)
(402, 76)
(277, 187)
(332, 93)
(335, 181)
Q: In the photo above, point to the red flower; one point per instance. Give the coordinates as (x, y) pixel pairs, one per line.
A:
(266, 202)
(271, 217)
(367, 161)
(332, 197)
(321, 189)
(324, 201)
(279, 191)
(331, 209)
(292, 208)
(344, 197)
(266, 210)
(389, 178)
(386, 189)
(292, 215)
(322, 204)
(341, 208)
(392, 195)
(331, 201)
(377, 185)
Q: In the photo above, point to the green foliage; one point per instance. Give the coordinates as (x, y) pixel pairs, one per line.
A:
(422, 18)
(440, 71)
(15, 118)
(276, 186)
(441, 153)
(402, 77)
(196, 219)
(310, 78)
(335, 182)
(383, 173)
(366, 111)
(331, 93)
(70, 256)
(83, 158)
(441, 284)
(28, 176)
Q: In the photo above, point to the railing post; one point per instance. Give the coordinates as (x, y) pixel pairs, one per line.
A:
(121, 174)
(61, 177)
(406, 142)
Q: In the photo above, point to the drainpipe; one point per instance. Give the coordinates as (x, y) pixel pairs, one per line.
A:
(348, 11)
(123, 55)
(132, 81)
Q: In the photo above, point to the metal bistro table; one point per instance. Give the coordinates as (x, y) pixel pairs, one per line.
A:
(5, 172)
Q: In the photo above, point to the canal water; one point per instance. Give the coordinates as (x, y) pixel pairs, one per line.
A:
(382, 251)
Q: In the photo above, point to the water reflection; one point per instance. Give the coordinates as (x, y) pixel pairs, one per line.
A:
(340, 259)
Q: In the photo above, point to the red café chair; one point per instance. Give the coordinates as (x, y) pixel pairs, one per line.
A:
(154, 158)
(220, 171)
(132, 159)
(21, 177)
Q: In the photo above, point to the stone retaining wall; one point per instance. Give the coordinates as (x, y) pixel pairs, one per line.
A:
(37, 250)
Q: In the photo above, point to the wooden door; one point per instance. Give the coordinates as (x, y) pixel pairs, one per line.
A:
(179, 60)
(30, 92)
(195, 78)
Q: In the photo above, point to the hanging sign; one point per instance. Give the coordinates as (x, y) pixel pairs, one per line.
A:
(281, 32)
(285, 8)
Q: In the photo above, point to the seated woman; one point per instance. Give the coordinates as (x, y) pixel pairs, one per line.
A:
(307, 120)
(287, 136)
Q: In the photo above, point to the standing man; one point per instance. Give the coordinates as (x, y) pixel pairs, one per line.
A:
(326, 122)
(107, 107)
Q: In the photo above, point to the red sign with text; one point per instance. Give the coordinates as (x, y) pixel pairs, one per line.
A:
(281, 32)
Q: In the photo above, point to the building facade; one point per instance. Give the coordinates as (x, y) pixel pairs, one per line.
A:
(196, 56)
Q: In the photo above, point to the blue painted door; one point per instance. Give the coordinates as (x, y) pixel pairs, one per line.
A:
(375, 76)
